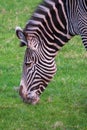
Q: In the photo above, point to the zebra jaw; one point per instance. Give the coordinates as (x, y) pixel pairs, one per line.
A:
(31, 98)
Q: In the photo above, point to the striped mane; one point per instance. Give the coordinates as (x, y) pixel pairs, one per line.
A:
(49, 21)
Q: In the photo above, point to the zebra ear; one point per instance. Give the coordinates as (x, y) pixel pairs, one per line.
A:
(21, 36)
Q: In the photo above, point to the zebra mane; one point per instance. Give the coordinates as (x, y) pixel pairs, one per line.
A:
(49, 21)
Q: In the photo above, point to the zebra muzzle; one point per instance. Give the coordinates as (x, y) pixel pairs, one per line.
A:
(31, 98)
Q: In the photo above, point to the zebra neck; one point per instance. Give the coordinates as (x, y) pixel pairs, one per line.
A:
(50, 22)
(72, 14)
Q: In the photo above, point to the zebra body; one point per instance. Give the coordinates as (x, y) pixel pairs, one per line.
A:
(51, 26)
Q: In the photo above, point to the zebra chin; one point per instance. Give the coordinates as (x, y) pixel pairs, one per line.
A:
(31, 98)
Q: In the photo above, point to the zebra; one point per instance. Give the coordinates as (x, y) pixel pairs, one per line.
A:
(52, 24)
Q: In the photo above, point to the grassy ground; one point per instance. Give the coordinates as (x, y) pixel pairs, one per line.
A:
(63, 105)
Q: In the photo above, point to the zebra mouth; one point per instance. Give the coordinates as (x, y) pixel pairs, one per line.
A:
(31, 98)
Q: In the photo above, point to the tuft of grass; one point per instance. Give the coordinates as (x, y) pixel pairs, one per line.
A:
(63, 105)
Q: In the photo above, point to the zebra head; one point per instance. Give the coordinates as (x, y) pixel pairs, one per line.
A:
(38, 68)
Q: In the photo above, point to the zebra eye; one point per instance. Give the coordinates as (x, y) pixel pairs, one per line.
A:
(29, 64)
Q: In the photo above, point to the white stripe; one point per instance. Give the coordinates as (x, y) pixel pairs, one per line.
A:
(55, 9)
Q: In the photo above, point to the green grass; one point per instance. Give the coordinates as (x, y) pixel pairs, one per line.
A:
(63, 105)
